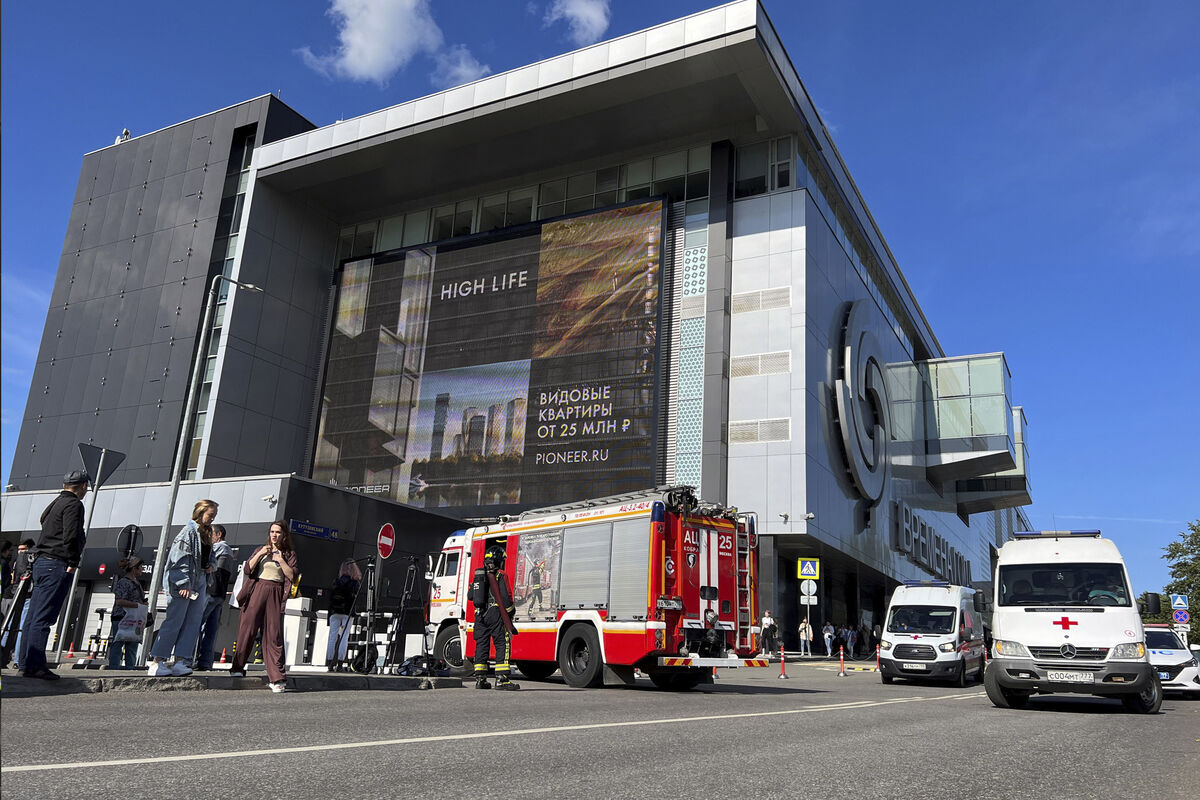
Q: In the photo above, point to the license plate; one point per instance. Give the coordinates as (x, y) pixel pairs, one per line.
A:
(913, 666)
(1071, 677)
(1164, 676)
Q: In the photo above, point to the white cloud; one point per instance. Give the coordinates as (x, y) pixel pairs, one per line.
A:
(587, 19)
(456, 66)
(377, 38)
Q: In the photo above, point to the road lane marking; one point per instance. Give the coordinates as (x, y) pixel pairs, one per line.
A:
(454, 737)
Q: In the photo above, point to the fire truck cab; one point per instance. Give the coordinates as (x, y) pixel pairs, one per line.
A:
(655, 581)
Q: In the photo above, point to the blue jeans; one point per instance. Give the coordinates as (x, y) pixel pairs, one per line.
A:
(50, 586)
(180, 628)
(805, 649)
(210, 620)
(16, 649)
(118, 649)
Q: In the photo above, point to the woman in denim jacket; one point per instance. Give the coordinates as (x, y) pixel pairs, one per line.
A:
(184, 583)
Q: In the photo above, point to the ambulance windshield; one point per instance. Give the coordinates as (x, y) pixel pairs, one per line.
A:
(1063, 584)
(921, 619)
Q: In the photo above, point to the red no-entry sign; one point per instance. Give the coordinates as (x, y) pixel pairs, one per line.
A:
(387, 540)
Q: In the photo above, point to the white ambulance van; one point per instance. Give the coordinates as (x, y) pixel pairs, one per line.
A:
(934, 631)
(1065, 620)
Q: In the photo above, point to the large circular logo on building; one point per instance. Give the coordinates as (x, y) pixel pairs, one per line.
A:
(861, 403)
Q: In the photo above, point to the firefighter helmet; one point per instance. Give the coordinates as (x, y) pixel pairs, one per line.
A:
(493, 558)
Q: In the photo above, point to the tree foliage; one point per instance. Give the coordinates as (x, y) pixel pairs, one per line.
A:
(1184, 557)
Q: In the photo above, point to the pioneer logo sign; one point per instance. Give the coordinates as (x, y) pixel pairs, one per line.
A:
(861, 409)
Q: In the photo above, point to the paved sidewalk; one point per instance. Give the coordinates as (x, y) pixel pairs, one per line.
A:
(92, 681)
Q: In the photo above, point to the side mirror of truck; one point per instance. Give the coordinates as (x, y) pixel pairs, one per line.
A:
(1152, 604)
(979, 601)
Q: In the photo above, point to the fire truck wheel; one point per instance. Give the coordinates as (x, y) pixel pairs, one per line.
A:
(447, 647)
(537, 670)
(674, 681)
(579, 657)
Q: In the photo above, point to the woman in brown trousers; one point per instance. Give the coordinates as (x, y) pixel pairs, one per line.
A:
(273, 567)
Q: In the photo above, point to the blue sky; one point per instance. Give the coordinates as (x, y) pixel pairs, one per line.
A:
(1035, 168)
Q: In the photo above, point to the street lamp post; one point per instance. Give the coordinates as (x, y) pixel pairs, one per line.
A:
(189, 415)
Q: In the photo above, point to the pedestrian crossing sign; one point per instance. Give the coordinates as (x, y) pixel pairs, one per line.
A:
(1179, 601)
(808, 568)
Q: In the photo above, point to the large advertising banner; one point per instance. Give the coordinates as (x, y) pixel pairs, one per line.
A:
(501, 372)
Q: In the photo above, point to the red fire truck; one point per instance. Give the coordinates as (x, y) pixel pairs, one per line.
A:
(655, 581)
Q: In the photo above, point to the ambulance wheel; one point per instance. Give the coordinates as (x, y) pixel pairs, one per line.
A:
(885, 678)
(447, 647)
(960, 679)
(1147, 701)
(579, 657)
(1001, 697)
(537, 670)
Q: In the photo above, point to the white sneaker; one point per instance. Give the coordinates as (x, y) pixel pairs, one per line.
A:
(157, 669)
(179, 669)
(278, 688)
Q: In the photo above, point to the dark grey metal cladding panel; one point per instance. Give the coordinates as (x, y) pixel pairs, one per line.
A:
(102, 177)
(585, 566)
(87, 170)
(630, 569)
(261, 388)
(169, 202)
(125, 155)
(160, 256)
(201, 151)
(181, 146)
(133, 382)
(160, 161)
(252, 441)
(140, 171)
(93, 225)
(285, 447)
(74, 235)
(148, 218)
(75, 278)
(139, 264)
(301, 336)
(225, 427)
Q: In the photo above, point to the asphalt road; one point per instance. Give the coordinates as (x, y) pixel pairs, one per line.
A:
(815, 735)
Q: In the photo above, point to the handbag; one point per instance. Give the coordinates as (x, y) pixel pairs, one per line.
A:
(246, 590)
(132, 625)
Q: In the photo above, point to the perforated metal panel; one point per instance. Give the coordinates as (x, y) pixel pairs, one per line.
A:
(585, 559)
(630, 566)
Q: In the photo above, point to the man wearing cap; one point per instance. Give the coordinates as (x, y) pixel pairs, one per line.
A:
(56, 556)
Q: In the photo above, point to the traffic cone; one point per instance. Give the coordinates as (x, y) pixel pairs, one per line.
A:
(223, 651)
(71, 652)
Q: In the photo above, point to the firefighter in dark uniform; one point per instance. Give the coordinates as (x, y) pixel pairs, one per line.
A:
(493, 619)
(536, 576)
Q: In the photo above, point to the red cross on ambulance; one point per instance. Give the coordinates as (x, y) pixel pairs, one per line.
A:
(1065, 623)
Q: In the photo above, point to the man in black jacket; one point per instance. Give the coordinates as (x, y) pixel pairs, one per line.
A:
(493, 619)
(57, 555)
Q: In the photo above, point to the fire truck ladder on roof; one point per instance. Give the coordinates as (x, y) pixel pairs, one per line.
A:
(672, 495)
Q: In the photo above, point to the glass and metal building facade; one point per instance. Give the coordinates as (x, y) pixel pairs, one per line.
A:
(638, 263)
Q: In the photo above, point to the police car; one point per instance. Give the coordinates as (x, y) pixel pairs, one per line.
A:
(1178, 668)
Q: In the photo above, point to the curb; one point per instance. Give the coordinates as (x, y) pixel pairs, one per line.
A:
(17, 685)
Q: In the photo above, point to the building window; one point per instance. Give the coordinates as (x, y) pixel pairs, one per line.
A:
(763, 167)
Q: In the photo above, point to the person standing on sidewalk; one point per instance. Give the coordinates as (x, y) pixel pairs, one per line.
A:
(769, 633)
(184, 582)
(127, 594)
(805, 637)
(57, 555)
(219, 578)
(828, 632)
(273, 568)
